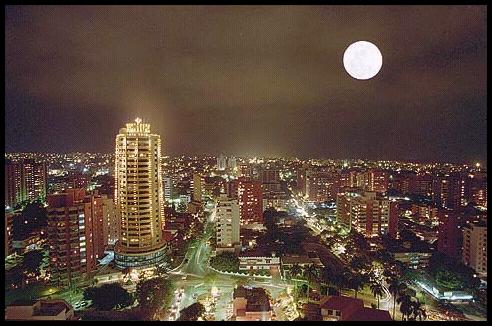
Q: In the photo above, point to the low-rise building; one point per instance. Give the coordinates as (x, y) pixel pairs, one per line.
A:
(251, 304)
(251, 261)
(343, 308)
(44, 309)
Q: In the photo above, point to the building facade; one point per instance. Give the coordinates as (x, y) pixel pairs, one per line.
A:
(449, 235)
(139, 197)
(475, 247)
(24, 180)
(250, 200)
(367, 213)
(251, 304)
(71, 236)
(227, 223)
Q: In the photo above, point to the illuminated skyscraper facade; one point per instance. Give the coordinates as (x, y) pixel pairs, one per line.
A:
(139, 197)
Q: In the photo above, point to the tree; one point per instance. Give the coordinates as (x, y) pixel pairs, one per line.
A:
(108, 296)
(377, 289)
(340, 278)
(89, 293)
(358, 264)
(32, 218)
(310, 273)
(448, 279)
(418, 311)
(153, 293)
(225, 261)
(327, 276)
(355, 282)
(192, 312)
(294, 272)
(395, 287)
(31, 262)
(406, 306)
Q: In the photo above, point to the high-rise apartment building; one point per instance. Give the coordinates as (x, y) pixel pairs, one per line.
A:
(477, 192)
(232, 163)
(139, 197)
(34, 180)
(227, 223)
(25, 180)
(377, 180)
(250, 199)
(12, 183)
(168, 188)
(475, 247)
(110, 228)
(198, 187)
(321, 185)
(71, 236)
(449, 235)
(221, 163)
(367, 213)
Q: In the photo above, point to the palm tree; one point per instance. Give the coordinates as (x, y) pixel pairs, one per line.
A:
(339, 279)
(406, 306)
(355, 282)
(294, 272)
(327, 277)
(418, 311)
(377, 289)
(395, 288)
(311, 273)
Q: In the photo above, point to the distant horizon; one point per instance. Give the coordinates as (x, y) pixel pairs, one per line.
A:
(482, 164)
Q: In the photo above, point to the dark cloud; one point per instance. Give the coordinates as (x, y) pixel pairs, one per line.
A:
(249, 80)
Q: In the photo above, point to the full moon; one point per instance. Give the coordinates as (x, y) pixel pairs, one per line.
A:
(362, 60)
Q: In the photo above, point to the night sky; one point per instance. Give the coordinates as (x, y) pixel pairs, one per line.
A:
(249, 80)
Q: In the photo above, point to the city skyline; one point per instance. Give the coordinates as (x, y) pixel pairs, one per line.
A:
(262, 81)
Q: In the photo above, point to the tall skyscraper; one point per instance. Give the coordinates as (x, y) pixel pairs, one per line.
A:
(139, 197)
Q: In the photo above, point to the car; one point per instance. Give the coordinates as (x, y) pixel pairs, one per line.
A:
(184, 277)
(181, 289)
(172, 316)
